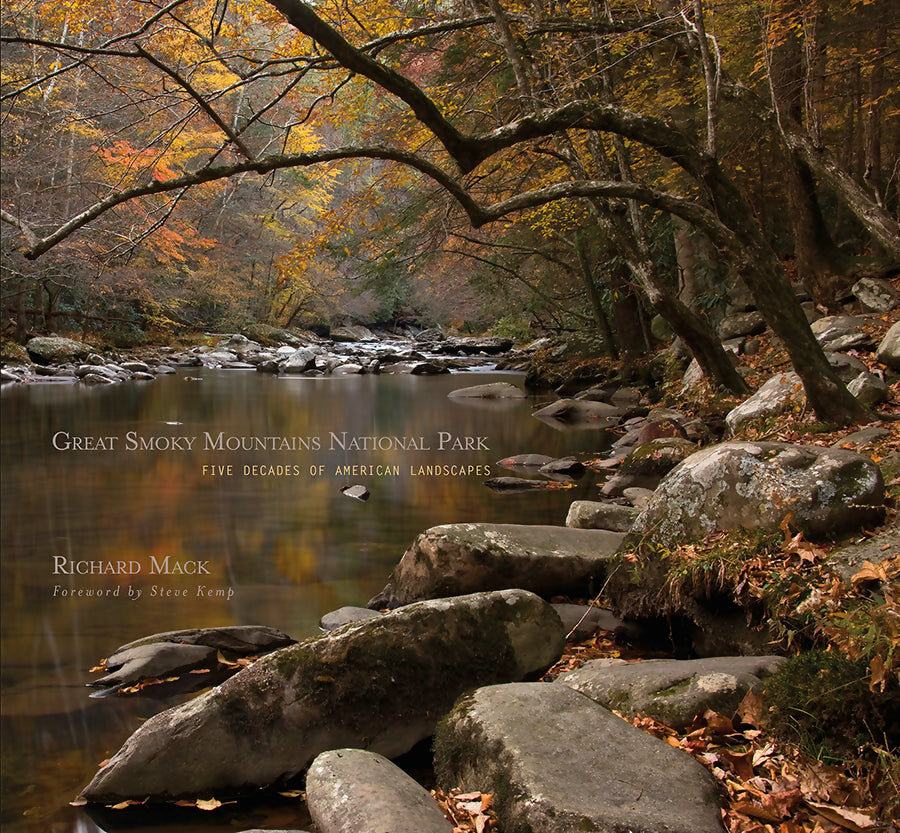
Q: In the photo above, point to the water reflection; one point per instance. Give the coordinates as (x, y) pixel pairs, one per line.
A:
(218, 537)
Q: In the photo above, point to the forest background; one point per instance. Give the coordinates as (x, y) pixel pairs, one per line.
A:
(511, 166)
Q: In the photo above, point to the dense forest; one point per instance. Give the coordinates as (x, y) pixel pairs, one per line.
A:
(505, 166)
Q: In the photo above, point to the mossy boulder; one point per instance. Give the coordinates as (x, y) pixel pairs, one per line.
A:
(757, 486)
(56, 349)
(381, 684)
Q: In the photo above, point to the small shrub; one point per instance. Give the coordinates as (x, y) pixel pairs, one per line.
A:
(821, 701)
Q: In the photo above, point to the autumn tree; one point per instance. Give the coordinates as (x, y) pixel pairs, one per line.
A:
(531, 131)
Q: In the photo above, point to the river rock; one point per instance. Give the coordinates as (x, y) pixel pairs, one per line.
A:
(756, 485)
(889, 350)
(381, 684)
(155, 660)
(589, 514)
(473, 345)
(841, 332)
(581, 622)
(777, 395)
(647, 464)
(240, 345)
(344, 616)
(672, 691)
(557, 762)
(580, 413)
(849, 560)
(56, 349)
(876, 295)
(525, 461)
(869, 388)
(353, 333)
(462, 558)
(846, 367)
(356, 791)
(174, 652)
(301, 360)
(97, 370)
(495, 390)
(741, 324)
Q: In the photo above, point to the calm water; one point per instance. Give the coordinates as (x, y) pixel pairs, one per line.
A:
(281, 550)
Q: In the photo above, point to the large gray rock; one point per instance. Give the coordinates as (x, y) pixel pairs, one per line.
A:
(672, 691)
(356, 791)
(889, 350)
(453, 559)
(380, 685)
(557, 762)
(756, 485)
(777, 395)
(55, 349)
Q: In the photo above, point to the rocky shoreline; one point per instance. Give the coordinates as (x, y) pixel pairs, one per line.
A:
(455, 645)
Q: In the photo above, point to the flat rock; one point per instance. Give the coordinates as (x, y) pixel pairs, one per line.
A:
(848, 561)
(356, 791)
(160, 659)
(462, 558)
(580, 413)
(557, 762)
(495, 390)
(672, 691)
(381, 684)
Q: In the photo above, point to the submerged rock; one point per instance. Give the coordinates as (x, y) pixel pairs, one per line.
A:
(494, 390)
(557, 762)
(381, 685)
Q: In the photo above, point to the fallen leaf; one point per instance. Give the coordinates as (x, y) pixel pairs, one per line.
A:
(741, 764)
(868, 572)
(848, 819)
(877, 677)
(487, 799)
(750, 710)
(208, 804)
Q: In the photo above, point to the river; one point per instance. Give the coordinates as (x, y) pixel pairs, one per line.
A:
(236, 475)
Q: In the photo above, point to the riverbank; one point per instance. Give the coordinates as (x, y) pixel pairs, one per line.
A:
(705, 421)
